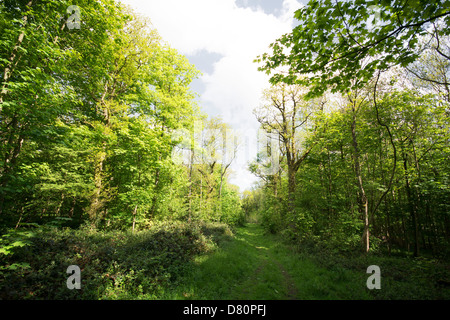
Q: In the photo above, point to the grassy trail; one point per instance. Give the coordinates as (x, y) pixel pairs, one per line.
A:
(257, 266)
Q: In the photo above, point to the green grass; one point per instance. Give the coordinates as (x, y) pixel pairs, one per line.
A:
(255, 265)
(213, 276)
(258, 266)
(206, 261)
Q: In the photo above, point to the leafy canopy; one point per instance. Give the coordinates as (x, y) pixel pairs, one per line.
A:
(341, 44)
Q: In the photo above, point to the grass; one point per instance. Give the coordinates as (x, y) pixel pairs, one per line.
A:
(255, 265)
(402, 276)
(258, 266)
(206, 261)
(213, 276)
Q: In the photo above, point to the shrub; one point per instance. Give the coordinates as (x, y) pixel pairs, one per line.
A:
(113, 264)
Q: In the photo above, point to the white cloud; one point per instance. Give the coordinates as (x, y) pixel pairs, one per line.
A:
(239, 35)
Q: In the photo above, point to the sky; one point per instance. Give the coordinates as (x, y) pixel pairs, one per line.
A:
(222, 38)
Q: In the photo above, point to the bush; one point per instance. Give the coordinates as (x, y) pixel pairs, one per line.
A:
(114, 264)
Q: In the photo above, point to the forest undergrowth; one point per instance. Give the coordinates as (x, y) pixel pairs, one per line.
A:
(113, 264)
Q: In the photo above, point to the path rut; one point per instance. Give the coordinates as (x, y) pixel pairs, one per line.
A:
(270, 279)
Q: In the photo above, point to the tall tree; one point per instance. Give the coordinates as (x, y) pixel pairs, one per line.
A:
(104, 97)
(38, 55)
(288, 115)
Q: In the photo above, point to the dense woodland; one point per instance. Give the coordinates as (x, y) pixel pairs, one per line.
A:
(104, 150)
(93, 118)
(358, 116)
(99, 130)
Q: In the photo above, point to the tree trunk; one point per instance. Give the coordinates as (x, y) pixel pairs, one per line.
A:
(96, 202)
(191, 165)
(388, 226)
(364, 203)
(72, 208)
(58, 209)
(8, 70)
(9, 163)
(98, 182)
(155, 196)
(412, 211)
(134, 216)
(201, 194)
(291, 189)
(222, 174)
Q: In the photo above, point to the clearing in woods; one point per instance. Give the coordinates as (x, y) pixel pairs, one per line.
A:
(255, 265)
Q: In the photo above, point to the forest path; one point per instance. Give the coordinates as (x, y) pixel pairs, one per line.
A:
(270, 280)
(248, 267)
(255, 265)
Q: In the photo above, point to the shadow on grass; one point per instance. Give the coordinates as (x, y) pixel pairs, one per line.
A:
(257, 266)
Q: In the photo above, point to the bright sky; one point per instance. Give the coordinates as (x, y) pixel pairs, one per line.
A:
(222, 38)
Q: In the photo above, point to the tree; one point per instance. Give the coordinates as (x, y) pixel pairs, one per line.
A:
(356, 103)
(337, 42)
(39, 55)
(219, 147)
(87, 114)
(430, 70)
(289, 116)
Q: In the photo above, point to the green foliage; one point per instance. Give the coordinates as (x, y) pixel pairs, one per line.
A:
(403, 172)
(114, 264)
(10, 242)
(381, 68)
(340, 45)
(402, 278)
(87, 124)
(86, 131)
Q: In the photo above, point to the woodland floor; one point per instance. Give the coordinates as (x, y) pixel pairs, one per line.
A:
(255, 265)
